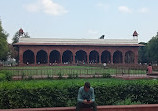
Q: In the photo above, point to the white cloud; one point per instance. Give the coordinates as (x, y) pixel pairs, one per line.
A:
(34, 7)
(53, 8)
(46, 6)
(103, 6)
(143, 10)
(92, 32)
(124, 9)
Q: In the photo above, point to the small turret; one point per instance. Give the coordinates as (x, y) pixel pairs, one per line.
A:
(21, 32)
(135, 35)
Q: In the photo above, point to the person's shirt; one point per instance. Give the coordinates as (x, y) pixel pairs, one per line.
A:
(149, 69)
(82, 94)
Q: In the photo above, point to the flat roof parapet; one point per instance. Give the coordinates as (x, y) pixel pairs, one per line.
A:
(95, 42)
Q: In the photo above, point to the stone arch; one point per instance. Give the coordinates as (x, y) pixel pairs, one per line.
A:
(81, 56)
(28, 57)
(41, 57)
(54, 57)
(67, 57)
(129, 57)
(117, 57)
(94, 57)
(106, 57)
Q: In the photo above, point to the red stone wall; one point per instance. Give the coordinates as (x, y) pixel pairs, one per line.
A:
(74, 49)
(147, 107)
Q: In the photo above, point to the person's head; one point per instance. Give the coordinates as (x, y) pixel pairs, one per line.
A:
(149, 64)
(86, 86)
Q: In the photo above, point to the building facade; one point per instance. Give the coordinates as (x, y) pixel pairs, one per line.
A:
(47, 51)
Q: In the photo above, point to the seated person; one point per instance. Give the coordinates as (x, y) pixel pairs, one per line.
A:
(86, 98)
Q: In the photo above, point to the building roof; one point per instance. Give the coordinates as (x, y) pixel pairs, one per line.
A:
(91, 42)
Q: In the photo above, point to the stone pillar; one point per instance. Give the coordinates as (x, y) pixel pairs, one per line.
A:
(87, 52)
(73, 62)
(123, 57)
(111, 57)
(21, 56)
(35, 53)
(59, 62)
(87, 58)
(48, 52)
(61, 57)
(99, 58)
(136, 58)
(48, 59)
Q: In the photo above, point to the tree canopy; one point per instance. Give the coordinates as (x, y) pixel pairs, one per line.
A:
(152, 50)
(3, 43)
(17, 36)
(149, 53)
(15, 39)
(142, 56)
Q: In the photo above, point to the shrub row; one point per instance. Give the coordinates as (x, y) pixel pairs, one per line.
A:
(57, 93)
(5, 75)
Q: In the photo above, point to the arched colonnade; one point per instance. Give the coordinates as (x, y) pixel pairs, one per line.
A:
(67, 56)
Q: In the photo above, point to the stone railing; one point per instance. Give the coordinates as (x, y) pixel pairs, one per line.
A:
(144, 107)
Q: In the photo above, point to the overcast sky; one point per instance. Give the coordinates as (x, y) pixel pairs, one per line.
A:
(88, 19)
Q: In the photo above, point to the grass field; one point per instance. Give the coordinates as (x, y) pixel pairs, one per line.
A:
(67, 70)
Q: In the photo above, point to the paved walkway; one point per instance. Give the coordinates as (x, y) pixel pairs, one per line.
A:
(54, 76)
(134, 76)
(124, 76)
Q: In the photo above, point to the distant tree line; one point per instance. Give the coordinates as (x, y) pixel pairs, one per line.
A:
(6, 48)
(149, 53)
(15, 39)
(3, 43)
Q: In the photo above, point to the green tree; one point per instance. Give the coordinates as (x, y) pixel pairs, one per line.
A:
(142, 53)
(152, 50)
(3, 43)
(17, 36)
(15, 39)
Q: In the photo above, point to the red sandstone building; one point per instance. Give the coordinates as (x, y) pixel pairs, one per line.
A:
(49, 51)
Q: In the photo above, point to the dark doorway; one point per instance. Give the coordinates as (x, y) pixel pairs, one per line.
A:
(41, 57)
(129, 57)
(67, 57)
(81, 57)
(54, 57)
(117, 57)
(94, 57)
(105, 57)
(28, 57)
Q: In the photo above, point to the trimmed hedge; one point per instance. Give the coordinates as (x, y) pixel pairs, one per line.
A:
(56, 93)
(2, 76)
(5, 76)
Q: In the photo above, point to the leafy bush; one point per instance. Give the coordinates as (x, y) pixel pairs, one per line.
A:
(127, 101)
(56, 93)
(72, 76)
(106, 75)
(4, 75)
(60, 76)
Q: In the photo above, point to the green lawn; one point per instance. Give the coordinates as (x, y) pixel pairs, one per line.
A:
(67, 70)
